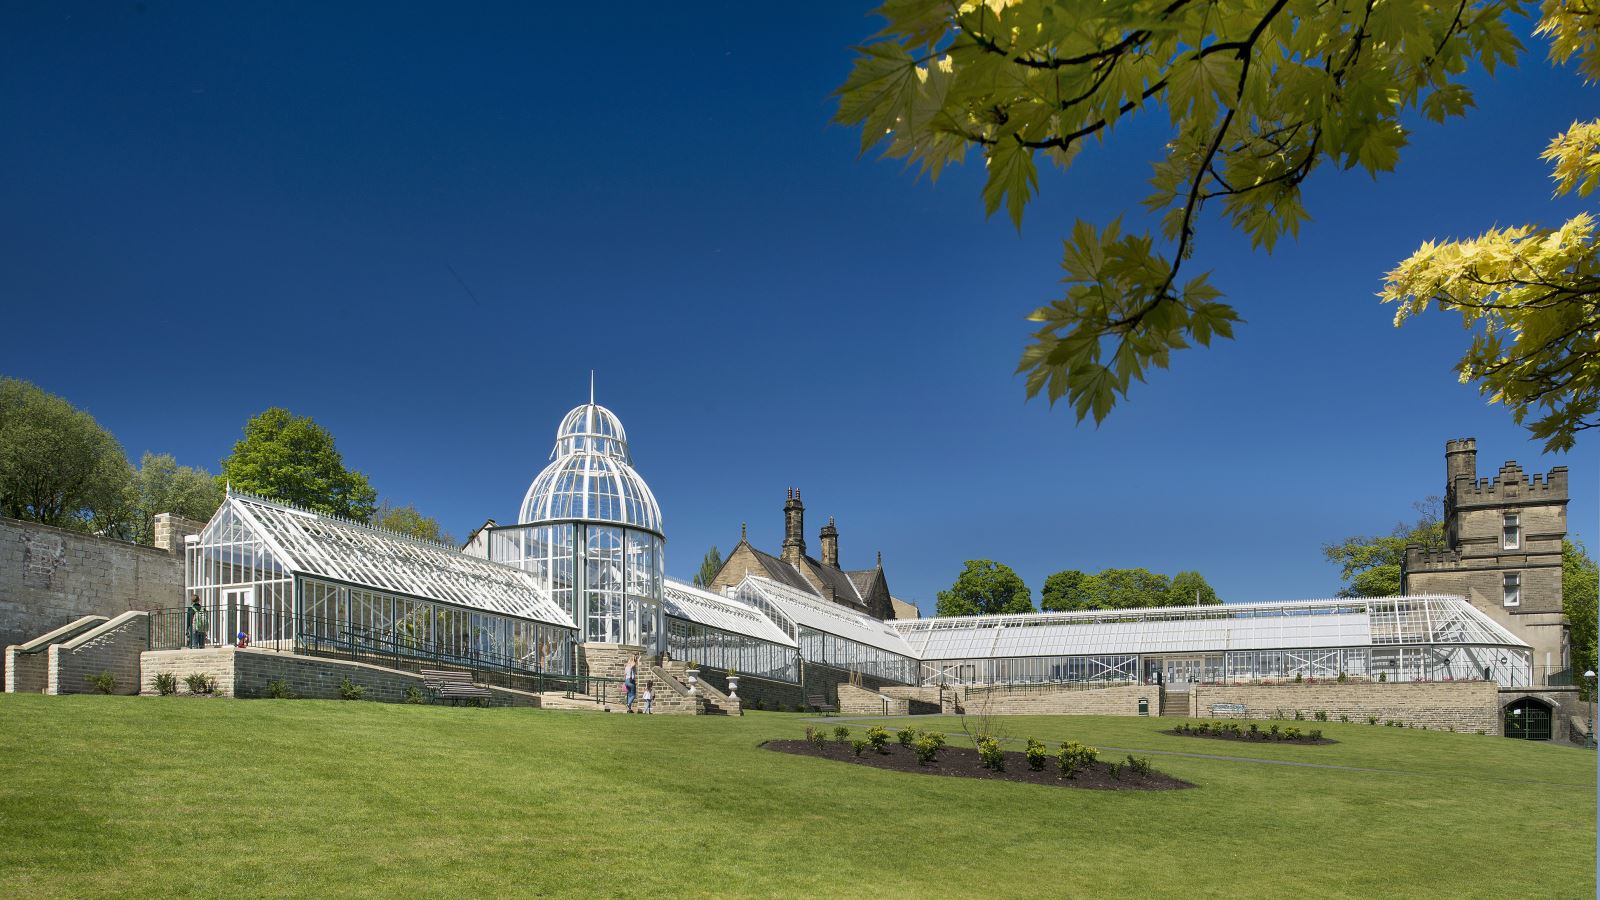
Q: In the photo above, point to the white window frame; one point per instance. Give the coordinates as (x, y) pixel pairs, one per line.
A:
(1511, 588)
(1511, 531)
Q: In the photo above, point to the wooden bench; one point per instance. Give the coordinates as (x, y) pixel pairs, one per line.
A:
(820, 703)
(454, 686)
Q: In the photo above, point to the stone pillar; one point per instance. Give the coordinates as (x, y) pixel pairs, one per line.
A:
(171, 529)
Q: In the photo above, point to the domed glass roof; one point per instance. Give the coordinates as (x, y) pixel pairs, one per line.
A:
(591, 476)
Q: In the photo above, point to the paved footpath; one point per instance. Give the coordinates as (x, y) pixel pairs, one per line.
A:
(1213, 756)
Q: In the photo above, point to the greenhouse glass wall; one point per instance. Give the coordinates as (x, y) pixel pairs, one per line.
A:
(1423, 638)
(287, 577)
(711, 630)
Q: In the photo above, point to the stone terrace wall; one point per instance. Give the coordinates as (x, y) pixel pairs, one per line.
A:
(112, 646)
(245, 673)
(1120, 700)
(925, 699)
(1467, 706)
(51, 576)
(854, 701)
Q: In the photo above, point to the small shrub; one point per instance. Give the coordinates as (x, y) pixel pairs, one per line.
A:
(1342, 678)
(906, 737)
(1116, 771)
(1299, 716)
(166, 684)
(1344, 718)
(937, 737)
(1254, 729)
(990, 753)
(1275, 731)
(759, 704)
(200, 683)
(349, 690)
(104, 683)
(1140, 765)
(878, 737)
(1036, 755)
(1291, 733)
(278, 689)
(1322, 716)
(1203, 728)
(817, 737)
(1316, 734)
(1372, 720)
(860, 745)
(1298, 678)
(414, 695)
(1234, 729)
(1074, 758)
(927, 749)
(1382, 677)
(841, 733)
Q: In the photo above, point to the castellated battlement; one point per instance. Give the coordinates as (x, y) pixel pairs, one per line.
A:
(1511, 483)
(1418, 559)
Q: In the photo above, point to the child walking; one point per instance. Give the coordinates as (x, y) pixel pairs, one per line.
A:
(649, 696)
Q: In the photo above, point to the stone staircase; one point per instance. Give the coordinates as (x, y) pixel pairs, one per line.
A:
(676, 673)
(1174, 703)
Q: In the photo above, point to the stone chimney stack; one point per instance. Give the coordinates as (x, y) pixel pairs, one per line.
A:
(794, 529)
(830, 544)
(1460, 460)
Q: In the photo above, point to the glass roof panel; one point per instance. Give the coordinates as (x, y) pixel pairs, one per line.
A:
(313, 544)
(716, 611)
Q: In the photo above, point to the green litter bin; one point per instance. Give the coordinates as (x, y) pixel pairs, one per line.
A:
(1144, 706)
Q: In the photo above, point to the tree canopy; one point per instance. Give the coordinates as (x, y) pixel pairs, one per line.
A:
(985, 587)
(710, 565)
(1071, 590)
(287, 457)
(1259, 93)
(163, 486)
(1580, 584)
(408, 520)
(57, 465)
(1370, 564)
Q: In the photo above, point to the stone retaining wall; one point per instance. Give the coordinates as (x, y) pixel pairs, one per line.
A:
(855, 701)
(113, 646)
(246, 673)
(1118, 700)
(1468, 706)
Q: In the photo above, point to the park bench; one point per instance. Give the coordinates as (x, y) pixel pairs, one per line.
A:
(454, 686)
(820, 703)
(1227, 709)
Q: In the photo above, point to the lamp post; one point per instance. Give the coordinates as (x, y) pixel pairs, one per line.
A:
(1589, 675)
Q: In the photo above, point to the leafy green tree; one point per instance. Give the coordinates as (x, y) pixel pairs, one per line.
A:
(709, 567)
(163, 486)
(1580, 583)
(1186, 586)
(407, 520)
(1260, 93)
(1129, 589)
(57, 465)
(985, 587)
(1064, 591)
(287, 457)
(1370, 564)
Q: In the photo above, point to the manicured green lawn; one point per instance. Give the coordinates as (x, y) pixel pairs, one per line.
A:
(172, 797)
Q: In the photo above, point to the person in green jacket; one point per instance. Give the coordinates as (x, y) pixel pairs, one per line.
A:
(197, 624)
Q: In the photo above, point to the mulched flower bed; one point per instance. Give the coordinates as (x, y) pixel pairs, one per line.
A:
(962, 762)
(1260, 737)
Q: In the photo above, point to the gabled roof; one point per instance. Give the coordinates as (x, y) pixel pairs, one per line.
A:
(310, 543)
(862, 581)
(843, 583)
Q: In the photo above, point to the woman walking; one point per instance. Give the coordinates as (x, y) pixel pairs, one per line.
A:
(630, 680)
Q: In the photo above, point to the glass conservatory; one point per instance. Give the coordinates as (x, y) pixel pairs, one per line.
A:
(723, 633)
(284, 576)
(831, 635)
(1422, 638)
(590, 530)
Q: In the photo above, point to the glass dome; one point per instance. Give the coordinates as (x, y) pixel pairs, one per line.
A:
(591, 476)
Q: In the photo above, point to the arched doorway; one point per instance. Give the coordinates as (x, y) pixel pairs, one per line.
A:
(1528, 719)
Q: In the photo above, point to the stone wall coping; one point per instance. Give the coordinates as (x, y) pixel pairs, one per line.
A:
(155, 552)
(103, 629)
(45, 640)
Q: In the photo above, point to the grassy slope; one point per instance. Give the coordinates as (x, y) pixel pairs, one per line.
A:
(112, 795)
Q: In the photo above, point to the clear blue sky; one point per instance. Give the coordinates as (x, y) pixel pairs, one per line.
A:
(208, 211)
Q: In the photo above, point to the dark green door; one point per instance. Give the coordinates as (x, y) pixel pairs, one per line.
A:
(1528, 719)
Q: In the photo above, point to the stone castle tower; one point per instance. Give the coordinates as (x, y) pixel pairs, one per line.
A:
(1502, 551)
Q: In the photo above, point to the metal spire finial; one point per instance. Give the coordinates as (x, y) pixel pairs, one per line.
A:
(591, 387)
